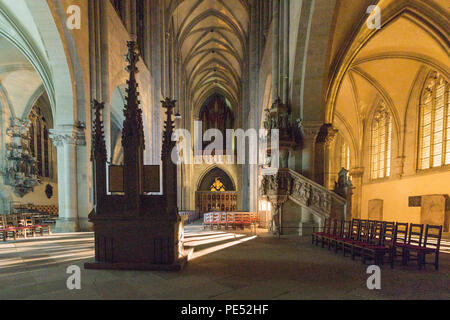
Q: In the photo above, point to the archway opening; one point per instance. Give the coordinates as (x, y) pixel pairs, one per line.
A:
(28, 158)
(216, 192)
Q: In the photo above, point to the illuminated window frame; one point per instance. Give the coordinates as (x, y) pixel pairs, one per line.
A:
(381, 144)
(345, 156)
(434, 128)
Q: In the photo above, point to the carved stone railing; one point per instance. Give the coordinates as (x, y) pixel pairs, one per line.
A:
(287, 184)
(323, 202)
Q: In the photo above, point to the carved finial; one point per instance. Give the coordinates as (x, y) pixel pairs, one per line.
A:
(169, 126)
(133, 129)
(98, 139)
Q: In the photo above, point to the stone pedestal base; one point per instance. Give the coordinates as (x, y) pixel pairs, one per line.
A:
(65, 225)
(306, 228)
(137, 243)
(85, 225)
(176, 266)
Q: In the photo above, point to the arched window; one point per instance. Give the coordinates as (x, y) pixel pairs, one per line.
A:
(381, 144)
(434, 144)
(345, 156)
(39, 142)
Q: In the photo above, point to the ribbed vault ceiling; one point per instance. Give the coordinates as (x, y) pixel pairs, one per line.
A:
(211, 39)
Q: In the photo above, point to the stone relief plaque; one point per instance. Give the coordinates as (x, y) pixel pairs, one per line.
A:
(415, 201)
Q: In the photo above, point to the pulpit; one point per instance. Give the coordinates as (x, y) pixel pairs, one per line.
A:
(133, 230)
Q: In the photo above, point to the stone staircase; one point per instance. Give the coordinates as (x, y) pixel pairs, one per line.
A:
(299, 204)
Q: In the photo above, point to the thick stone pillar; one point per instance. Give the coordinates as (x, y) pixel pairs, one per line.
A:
(66, 139)
(276, 49)
(309, 135)
(324, 145)
(356, 175)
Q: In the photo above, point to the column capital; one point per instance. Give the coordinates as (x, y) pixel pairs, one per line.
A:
(68, 134)
(310, 129)
(327, 134)
(356, 172)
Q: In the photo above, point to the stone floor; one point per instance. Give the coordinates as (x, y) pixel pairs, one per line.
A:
(223, 266)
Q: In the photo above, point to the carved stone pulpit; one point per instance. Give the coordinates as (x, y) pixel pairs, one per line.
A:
(135, 231)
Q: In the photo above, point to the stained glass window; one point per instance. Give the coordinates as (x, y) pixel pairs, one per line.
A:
(434, 144)
(218, 186)
(381, 144)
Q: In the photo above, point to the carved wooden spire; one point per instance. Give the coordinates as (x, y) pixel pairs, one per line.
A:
(133, 129)
(99, 156)
(133, 137)
(169, 126)
(168, 166)
(98, 139)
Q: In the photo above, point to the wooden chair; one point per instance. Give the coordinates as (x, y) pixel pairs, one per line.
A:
(231, 222)
(216, 220)
(431, 245)
(415, 238)
(238, 220)
(246, 220)
(207, 220)
(344, 235)
(354, 236)
(389, 229)
(3, 228)
(327, 238)
(16, 226)
(398, 240)
(40, 227)
(326, 232)
(317, 235)
(362, 240)
(377, 249)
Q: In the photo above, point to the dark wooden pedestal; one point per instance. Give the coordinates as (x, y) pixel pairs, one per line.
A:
(137, 243)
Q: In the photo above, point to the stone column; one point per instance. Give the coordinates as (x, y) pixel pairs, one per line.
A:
(275, 49)
(309, 135)
(356, 175)
(397, 167)
(324, 143)
(66, 139)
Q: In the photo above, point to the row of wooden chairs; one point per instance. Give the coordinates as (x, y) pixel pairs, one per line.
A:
(373, 240)
(229, 219)
(14, 226)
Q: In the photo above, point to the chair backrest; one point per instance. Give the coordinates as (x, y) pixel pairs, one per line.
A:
(364, 231)
(2, 221)
(334, 227)
(433, 235)
(400, 232)
(388, 231)
(340, 228)
(11, 220)
(346, 229)
(355, 229)
(377, 232)
(415, 234)
(326, 225)
(28, 220)
(207, 218)
(230, 217)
